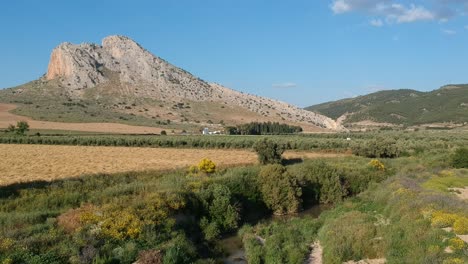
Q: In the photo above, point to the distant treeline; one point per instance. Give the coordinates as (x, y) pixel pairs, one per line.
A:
(359, 143)
(265, 128)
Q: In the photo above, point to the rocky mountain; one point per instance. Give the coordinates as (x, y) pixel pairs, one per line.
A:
(121, 81)
(449, 104)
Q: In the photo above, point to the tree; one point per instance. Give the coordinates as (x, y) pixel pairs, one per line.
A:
(222, 213)
(280, 190)
(268, 151)
(22, 127)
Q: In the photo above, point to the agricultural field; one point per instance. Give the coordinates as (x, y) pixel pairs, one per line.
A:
(26, 163)
(388, 197)
(7, 118)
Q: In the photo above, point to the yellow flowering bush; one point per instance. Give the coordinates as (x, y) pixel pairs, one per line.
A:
(377, 164)
(442, 219)
(460, 226)
(456, 243)
(206, 166)
(121, 225)
(453, 261)
(6, 244)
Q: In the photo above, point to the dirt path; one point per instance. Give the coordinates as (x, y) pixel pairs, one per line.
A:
(315, 256)
(7, 118)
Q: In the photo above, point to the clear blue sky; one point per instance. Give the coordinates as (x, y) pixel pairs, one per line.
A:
(302, 52)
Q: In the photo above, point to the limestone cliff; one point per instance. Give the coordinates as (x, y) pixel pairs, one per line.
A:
(134, 71)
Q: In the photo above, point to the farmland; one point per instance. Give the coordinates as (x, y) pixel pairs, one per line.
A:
(79, 198)
(23, 163)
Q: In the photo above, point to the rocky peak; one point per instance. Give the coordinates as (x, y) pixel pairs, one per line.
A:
(123, 68)
(82, 66)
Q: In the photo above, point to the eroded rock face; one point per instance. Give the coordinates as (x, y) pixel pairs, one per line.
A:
(75, 66)
(134, 71)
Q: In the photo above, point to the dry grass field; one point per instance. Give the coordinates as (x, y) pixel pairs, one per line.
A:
(23, 163)
(7, 118)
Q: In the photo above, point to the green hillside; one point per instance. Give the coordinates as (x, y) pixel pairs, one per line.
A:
(408, 107)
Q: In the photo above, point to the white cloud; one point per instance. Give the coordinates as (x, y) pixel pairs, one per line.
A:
(400, 11)
(413, 13)
(284, 85)
(376, 22)
(466, 27)
(340, 6)
(449, 32)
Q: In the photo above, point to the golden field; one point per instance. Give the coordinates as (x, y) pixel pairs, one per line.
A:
(24, 163)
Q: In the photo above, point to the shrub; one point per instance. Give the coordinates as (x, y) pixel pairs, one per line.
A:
(460, 226)
(206, 166)
(163, 133)
(453, 261)
(456, 243)
(221, 212)
(150, 257)
(350, 237)
(460, 158)
(280, 190)
(377, 148)
(376, 164)
(321, 181)
(269, 152)
(442, 219)
(180, 251)
(20, 129)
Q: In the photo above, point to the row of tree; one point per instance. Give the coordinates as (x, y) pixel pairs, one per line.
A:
(265, 128)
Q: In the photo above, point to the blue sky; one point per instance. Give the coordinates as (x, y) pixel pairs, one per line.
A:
(302, 52)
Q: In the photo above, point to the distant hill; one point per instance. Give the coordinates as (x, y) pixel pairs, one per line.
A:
(119, 81)
(407, 107)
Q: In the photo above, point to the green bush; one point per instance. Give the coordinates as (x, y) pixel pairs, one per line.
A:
(20, 129)
(460, 158)
(221, 212)
(320, 181)
(280, 190)
(377, 148)
(268, 151)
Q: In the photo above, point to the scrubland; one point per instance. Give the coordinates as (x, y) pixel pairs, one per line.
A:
(394, 200)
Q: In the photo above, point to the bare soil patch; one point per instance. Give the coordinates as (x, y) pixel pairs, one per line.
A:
(462, 193)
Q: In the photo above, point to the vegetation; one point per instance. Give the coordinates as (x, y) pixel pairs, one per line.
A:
(206, 166)
(408, 107)
(377, 148)
(392, 208)
(269, 152)
(405, 142)
(280, 190)
(117, 218)
(460, 158)
(21, 128)
(265, 128)
(399, 220)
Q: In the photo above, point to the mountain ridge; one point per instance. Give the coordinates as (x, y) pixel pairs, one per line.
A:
(447, 104)
(122, 77)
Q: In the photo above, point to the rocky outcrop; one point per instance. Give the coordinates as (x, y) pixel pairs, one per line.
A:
(127, 65)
